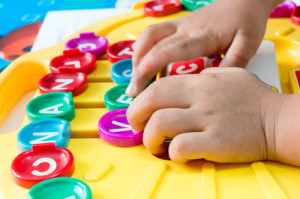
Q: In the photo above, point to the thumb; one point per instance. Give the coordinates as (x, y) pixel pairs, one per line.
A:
(241, 51)
(194, 145)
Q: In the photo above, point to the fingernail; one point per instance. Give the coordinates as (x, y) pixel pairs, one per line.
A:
(135, 131)
(130, 90)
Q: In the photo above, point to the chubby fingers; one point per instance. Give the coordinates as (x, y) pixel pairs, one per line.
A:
(164, 112)
(197, 145)
(176, 47)
(191, 137)
(151, 36)
(242, 48)
(159, 95)
(168, 123)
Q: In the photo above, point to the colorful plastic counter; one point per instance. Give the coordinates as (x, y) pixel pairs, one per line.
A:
(59, 139)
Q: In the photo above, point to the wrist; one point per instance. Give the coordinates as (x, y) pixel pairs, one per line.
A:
(271, 105)
(288, 131)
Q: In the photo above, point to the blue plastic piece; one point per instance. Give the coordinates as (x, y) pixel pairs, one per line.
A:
(121, 71)
(45, 130)
(3, 64)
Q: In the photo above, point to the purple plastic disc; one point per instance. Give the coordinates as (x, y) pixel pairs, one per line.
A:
(283, 10)
(114, 128)
(89, 42)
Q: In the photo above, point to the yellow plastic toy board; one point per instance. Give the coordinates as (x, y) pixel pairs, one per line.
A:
(115, 172)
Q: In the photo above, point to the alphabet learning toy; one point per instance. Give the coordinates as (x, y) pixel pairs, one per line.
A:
(115, 164)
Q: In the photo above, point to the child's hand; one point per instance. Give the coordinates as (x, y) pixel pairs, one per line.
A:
(234, 27)
(223, 115)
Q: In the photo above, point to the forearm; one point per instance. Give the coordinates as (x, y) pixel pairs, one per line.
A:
(267, 4)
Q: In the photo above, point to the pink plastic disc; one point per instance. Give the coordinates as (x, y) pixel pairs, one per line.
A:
(114, 128)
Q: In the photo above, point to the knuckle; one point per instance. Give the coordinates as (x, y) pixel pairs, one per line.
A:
(150, 30)
(177, 148)
(208, 110)
(157, 119)
(185, 44)
(146, 70)
(210, 79)
(186, 47)
(152, 92)
(210, 34)
(158, 49)
(220, 140)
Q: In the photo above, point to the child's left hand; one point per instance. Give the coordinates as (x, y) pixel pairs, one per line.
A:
(222, 115)
(234, 28)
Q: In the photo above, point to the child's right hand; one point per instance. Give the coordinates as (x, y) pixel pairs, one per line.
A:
(232, 27)
(222, 115)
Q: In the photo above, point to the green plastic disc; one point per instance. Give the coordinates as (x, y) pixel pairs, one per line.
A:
(192, 5)
(51, 105)
(63, 187)
(115, 98)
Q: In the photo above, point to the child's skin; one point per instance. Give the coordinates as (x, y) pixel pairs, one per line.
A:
(223, 114)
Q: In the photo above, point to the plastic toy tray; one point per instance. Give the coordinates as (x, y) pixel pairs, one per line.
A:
(132, 172)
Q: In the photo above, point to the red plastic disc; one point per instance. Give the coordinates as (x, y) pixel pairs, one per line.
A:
(120, 50)
(186, 67)
(161, 8)
(295, 16)
(73, 61)
(66, 82)
(43, 162)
